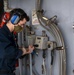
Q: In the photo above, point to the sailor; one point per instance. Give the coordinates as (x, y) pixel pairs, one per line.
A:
(13, 21)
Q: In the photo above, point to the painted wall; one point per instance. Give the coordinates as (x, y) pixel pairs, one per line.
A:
(64, 9)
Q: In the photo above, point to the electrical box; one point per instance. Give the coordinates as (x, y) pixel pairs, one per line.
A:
(30, 40)
(41, 41)
(34, 18)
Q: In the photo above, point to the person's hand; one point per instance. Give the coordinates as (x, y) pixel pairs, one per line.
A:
(23, 50)
(28, 50)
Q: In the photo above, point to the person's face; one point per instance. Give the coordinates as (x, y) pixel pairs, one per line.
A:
(22, 22)
(19, 27)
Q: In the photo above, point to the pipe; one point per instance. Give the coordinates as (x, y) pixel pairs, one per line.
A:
(6, 6)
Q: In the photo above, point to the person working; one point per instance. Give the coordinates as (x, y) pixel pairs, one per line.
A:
(9, 52)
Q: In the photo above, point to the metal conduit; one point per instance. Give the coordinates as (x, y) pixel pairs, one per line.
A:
(58, 36)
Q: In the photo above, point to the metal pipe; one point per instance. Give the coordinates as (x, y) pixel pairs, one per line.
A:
(20, 60)
(6, 6)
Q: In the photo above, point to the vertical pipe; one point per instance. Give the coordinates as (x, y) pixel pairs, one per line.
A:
(6, 6)
(30, 58)
(20, 60)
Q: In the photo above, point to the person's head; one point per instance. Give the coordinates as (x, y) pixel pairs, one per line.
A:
(17, 18)
(19, 14)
